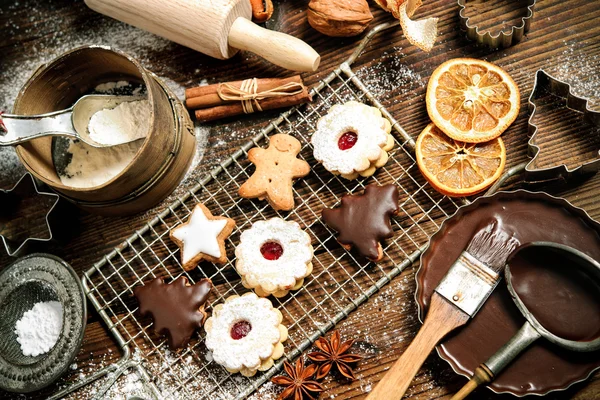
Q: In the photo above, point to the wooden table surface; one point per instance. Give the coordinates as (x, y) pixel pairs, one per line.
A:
(564, 40)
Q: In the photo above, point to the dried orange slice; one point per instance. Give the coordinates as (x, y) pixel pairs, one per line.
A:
(456, 168)
(472, 100)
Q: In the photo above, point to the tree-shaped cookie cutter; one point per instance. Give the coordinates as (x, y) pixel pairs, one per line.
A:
(546, 83)
(502, 39)
(26, 186)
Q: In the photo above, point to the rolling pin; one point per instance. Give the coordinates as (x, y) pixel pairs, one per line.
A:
(218, 28)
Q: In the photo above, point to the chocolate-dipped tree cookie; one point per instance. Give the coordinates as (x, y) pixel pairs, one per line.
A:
(177, 308)
(363, 220)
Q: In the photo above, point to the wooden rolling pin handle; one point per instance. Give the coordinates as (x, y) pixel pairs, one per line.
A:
(279, 48)
(482, 376)
(442, 318)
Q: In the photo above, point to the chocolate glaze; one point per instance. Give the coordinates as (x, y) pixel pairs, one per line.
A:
(563, 298)
(363, 220)
(534, 217)
(177, 308)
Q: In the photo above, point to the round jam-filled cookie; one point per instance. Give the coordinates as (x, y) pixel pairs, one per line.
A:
(352, 139)
(245, 334)
(274, 257)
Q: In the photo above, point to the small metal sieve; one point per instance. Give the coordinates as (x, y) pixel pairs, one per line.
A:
(27, 281)
(161, 161)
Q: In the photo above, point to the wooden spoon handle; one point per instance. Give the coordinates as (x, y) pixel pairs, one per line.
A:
(442, 318)
(482, 376)
(279, 48)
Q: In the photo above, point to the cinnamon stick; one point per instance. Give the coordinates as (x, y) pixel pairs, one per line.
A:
(207, 96)
(236, 108)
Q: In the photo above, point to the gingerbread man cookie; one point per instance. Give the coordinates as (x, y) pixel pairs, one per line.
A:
(352, 139)
(245, 334)
(274, 257)
(276, 168)
(363, 220)
(202, 237)
(177, 308)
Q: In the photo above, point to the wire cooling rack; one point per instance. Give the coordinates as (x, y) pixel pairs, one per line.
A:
(340, 280)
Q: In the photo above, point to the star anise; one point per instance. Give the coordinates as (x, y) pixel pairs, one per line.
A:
(299, 385)
(334, 352)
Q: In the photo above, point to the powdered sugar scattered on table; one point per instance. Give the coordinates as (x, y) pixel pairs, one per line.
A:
(109, 32)
(10, 166)
(390, 76)
(580, 70)
(268, 391)
(202, 133)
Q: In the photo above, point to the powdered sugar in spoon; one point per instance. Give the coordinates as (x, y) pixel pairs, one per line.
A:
(72, 122)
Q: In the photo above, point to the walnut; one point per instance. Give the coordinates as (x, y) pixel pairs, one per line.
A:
(339, 17)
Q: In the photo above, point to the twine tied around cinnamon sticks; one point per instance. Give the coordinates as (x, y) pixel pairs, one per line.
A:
(227, 99)
(248, 93)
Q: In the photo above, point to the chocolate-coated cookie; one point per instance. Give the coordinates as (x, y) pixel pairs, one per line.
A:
(176, 308)
(364, 220)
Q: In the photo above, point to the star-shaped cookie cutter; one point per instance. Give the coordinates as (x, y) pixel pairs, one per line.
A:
(26, 185)
(503, 39)
(545, 82)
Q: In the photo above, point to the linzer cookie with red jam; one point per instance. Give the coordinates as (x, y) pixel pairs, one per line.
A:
(176, 308)
(352, 139)
(363, 221)
(276, 168)
(274, 257)
(245, 334)
(202, 237)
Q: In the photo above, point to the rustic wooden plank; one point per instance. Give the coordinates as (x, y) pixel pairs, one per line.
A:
(564, 40)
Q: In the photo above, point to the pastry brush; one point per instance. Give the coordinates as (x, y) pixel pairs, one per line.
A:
(457, 298)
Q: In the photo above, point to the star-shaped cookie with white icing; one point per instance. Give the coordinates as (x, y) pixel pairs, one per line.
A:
(202, 237)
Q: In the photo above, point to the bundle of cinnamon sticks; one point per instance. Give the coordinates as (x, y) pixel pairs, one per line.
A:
(227, 99)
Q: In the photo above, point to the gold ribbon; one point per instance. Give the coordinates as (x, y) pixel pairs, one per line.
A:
(248, 93)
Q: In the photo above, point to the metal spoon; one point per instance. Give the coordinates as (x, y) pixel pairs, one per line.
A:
(532, 330)
(72, 122)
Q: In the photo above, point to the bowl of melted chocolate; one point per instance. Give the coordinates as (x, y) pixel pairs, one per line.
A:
(544, 366)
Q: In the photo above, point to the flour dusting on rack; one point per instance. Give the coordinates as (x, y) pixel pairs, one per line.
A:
(340, 281)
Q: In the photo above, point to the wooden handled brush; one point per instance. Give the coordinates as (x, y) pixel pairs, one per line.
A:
(457, 298)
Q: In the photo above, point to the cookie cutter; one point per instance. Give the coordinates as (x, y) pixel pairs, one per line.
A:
(26, 186)
(546, 83)
(502, 39)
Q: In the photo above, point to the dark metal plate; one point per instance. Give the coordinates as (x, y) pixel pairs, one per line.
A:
(27, 281)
